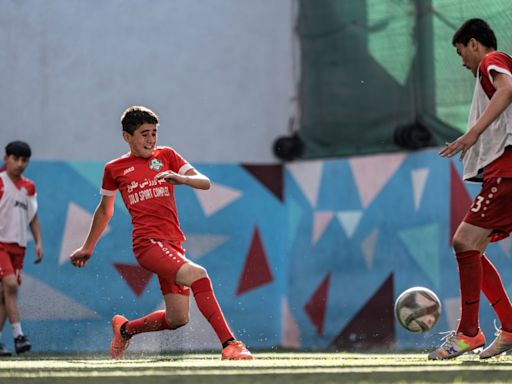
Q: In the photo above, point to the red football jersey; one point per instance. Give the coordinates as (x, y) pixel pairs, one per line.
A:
(499, 62)
(151, 203)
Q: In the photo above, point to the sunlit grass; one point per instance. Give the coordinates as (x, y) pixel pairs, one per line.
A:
(318, 368)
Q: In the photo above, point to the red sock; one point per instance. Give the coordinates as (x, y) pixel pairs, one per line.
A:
(470, 274)
(155, 321)
(209, 307)
(493, 288)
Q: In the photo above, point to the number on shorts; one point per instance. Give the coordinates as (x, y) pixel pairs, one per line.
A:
(478, 204)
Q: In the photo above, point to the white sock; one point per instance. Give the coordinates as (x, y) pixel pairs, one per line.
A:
(16, 329)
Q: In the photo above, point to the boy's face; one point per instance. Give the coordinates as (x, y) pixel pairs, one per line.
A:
(143, 140)
(15, 165)
(470, 55)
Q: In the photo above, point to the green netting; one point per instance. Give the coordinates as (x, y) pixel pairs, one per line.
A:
(391, 41)
(454, 84)
(369, 66)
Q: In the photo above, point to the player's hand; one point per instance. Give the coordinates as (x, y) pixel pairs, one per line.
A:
(462, 145)
(171, 177)
(39, 254)
(80, 257)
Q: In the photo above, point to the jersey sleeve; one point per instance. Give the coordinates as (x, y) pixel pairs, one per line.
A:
(32, 207)
(495, 61)
(177, 163)
(32, 199)
(109, 184)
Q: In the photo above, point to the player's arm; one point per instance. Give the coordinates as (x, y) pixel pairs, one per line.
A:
(501, 99)
(192, 178)
(35, 228)
(102, 215)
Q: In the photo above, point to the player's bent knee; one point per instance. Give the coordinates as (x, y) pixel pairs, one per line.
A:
(179, 325)
(200, 272)
(460, 245)
(189, 273)
(178, 322)
(10, 287)
(197, 272)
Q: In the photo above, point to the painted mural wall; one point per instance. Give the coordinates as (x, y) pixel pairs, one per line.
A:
(308, 255)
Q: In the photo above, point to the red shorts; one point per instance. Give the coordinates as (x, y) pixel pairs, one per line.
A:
(164, 259)
(11, 260)
(492, 208)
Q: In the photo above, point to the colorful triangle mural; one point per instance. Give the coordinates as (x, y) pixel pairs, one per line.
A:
(135, 276)
(216, 198)
(349, 221)
(460, 200)
(76, 227)
(423, 245)
(294, 217)
(419, 179)
(199, 245)
(368, 247)
(308, 176)
(290, 329)
(373, 325)
(271, 176)
(321, 221)
(371, 173)
(38, 301)
(92, 171)
(256, 271)
(316, 307)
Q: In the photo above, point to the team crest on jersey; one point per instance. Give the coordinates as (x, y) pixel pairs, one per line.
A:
(155, 164)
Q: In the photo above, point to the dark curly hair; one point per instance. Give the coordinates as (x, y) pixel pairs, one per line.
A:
(477, 29)
(133, 117)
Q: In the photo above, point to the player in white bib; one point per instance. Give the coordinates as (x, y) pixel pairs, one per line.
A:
(18, 212)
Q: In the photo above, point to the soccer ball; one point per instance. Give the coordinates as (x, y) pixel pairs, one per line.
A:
(417, 309)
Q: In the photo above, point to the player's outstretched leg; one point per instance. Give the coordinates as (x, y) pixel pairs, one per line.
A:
(209, 307)
(236, 350)
(455, 344)
(119, 343)
(502, 343)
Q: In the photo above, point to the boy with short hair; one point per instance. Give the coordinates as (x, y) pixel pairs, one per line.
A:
(146, 177)
(486, 151)
(18, 211)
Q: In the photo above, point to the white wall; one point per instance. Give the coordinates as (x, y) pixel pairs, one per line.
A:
(218, 72)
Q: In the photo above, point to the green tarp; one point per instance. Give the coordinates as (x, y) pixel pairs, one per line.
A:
(370, 66)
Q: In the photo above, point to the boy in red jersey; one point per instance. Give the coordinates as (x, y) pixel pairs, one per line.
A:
(18, 212)
(486, 152)
(146, 177)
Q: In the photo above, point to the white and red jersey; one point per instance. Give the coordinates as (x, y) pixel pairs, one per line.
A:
(502, 63)
(151, 203)
(18, 206)
(492, 152)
